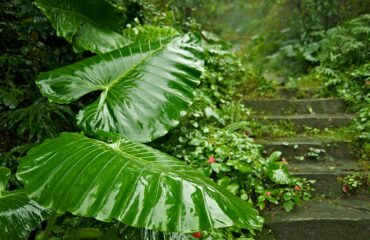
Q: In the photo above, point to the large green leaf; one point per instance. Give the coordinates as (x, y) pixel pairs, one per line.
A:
(18, 214)
(145, 88)
(130, 182)
(86, 24)
(94, 25)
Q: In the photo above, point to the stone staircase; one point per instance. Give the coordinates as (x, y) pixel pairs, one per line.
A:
(331, 214)
(314, 113)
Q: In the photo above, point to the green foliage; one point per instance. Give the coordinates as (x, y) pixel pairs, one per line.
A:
(288, 38)
(88, 25)
(28, 45)
(344, 58)
(354, 183)
(214, 139)
(130, 182)
(37, 121)
(344, 65)
(93, 25)
(156, 77)
(4, 178)
(18, 214)
(175, 63)
(323, 45)
(68, 226)
(235, 162)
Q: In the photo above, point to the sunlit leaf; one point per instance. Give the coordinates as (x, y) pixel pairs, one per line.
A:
(18, 214)
(86, 24)
(130, 182)
(145, 88)
(278, 173)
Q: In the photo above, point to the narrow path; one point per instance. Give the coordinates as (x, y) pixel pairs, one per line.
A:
(330, 215)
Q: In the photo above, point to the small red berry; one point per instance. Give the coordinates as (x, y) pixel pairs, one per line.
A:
(211, 160)
(268, 194)
(197, 234)
(297, 188)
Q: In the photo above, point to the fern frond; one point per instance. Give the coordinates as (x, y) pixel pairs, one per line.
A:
(37, 121)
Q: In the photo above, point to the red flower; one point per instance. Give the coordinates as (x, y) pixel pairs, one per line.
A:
(197, 234)
(268, 194)
(345, 188)
(297, 188)
(211, 160)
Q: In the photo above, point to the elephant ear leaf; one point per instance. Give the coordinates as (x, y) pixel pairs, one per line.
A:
(145, 88)
(130, 182)
(94, 25)
(86, 24)
(18, 214)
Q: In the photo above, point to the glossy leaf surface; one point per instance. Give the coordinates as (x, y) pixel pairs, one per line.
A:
(18, 215)
(279, 175)
(147, 33)
(277, 172)
(86, 24)
(144, 88)
(130, 182)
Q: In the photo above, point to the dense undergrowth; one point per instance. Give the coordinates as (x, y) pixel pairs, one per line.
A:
(215, 139)
(315, 48)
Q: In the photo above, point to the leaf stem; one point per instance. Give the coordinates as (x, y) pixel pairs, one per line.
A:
(51, 222)
(88, 233)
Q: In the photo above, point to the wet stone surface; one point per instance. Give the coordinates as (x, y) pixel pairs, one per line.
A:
(331, 215)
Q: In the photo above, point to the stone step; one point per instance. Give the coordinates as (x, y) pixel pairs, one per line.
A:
(328, 174)
(319, 121)
(324, 219)
(294, 106)
(293, 92)
(293, 149)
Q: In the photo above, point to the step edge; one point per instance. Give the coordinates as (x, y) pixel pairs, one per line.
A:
(295, 100)
(267, 222)
(306, 116)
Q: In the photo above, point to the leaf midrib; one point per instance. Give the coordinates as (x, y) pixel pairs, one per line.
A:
(108, 87)
(133, 67)
(140, 161)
